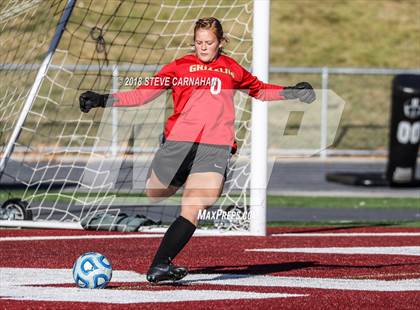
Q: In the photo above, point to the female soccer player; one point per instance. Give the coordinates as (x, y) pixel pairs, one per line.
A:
(198, 135)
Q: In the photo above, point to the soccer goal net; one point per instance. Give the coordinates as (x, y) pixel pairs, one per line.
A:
(71, 166)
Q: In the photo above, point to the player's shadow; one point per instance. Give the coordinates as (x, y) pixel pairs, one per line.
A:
(243, 271)
(257, 269)
(220, 273)
(238, 272)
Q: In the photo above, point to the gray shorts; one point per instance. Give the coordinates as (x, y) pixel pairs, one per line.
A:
(175, 161)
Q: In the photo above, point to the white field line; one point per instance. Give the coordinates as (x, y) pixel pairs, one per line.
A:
(19, 277)
(385, 234)
(19, 284)
(66, 294)
(204, 233)
(402, 250)
(157, 233)
(38, 238)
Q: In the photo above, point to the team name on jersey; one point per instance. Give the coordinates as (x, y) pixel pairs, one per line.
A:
(194, 68)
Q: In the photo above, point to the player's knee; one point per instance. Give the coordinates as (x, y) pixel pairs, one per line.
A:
(156, 195)
(152, 195)
(209, 201)
(200, 201)
(154, 191)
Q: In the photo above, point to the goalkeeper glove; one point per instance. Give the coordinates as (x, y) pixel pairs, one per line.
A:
(302, 91)
(89, 100)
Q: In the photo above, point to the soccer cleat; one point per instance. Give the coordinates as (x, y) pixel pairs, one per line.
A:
(164, 272)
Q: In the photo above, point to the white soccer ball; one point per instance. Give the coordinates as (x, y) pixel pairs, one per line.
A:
(92, 270)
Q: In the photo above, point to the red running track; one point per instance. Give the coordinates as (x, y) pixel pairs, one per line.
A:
(224, 274)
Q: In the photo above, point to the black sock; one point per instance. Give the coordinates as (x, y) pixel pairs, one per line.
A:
(174, 240)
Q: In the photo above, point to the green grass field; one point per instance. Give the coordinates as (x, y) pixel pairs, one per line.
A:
(342, 202)
(345, 33)
(272, 201)
(343, 225)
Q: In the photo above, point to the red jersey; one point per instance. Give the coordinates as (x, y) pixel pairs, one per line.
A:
(203, 97)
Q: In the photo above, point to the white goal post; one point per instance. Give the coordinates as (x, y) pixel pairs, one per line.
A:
(64, 164)
(37, 83)
(260, 65)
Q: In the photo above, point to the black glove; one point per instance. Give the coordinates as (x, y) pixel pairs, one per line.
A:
(89, 100)
(302, 91)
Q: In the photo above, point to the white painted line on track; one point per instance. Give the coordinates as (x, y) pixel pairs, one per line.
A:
(21, 277)
(155, 234)
(308, 282)
(80, 237)
(19, 284)
(204, 234)
(129, 296)
(402, 250)
(384, 234)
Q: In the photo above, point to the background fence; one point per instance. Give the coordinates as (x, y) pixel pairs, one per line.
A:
(366, 92)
